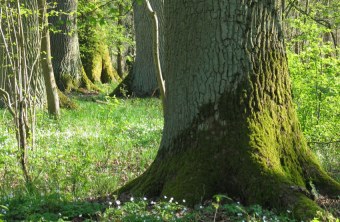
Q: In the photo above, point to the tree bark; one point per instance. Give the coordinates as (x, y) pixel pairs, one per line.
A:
(31, 25)
(96, 57)
(230, 124)
(95, 52)
(143, 80)
(120, 23)
(46, 63)
(65, 47)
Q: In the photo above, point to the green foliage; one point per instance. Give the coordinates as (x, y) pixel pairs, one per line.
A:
(325, 216)
(315, 69)
(108, 22)
(90, 152)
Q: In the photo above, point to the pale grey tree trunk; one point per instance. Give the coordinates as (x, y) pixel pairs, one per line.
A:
(144, 82)
(230, 124)
(46, 62)
(65, 45)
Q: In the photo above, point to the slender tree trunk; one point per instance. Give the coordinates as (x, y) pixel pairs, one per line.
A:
(20, 73)
(120, 23)
(120, 71)
(230, 124)
(46, 63)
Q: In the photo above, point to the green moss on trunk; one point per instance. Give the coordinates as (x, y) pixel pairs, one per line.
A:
(254, 157)
(66, 102)
(97, 64)
(86, 82)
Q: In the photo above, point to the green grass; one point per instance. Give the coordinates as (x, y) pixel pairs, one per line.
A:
(89, 152)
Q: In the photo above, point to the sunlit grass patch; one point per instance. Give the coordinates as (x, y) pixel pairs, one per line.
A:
(90, 151)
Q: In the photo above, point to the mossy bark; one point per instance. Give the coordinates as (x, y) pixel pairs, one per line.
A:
(65, 102)
(97, 63)
(95, 52)
(67, 64)
(230, 124)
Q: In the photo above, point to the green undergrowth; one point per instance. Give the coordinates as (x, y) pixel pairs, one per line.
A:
(221, 208)
(89, 152)
(168, 209)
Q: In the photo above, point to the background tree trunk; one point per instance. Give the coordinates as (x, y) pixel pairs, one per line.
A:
(142, 81)
(66, 61)
(120, 23)
(95, 55)
(230, 124)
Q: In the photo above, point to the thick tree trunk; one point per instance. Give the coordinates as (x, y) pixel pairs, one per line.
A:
(65, 47)
(95, 54)
(230, 125)
(97, 59)
(46, 63)
(144, 81)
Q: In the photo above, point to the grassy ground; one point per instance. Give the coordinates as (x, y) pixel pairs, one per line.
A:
(90, 152)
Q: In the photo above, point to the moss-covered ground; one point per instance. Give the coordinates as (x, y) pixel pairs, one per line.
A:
(89, 153)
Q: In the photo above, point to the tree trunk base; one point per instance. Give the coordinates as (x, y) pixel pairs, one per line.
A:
(66, 102)
(198, 174)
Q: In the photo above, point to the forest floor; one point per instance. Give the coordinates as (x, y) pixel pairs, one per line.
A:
(89, 153)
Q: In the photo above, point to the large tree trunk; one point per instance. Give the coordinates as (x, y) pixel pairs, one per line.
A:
(68, 69)
(230, 125)
(143, 80)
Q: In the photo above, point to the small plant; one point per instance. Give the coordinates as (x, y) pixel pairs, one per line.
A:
(325, 216)
(216, 204)
(3, 211)
(146, 210)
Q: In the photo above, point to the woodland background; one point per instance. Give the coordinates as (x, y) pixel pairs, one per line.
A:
(110, 125)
